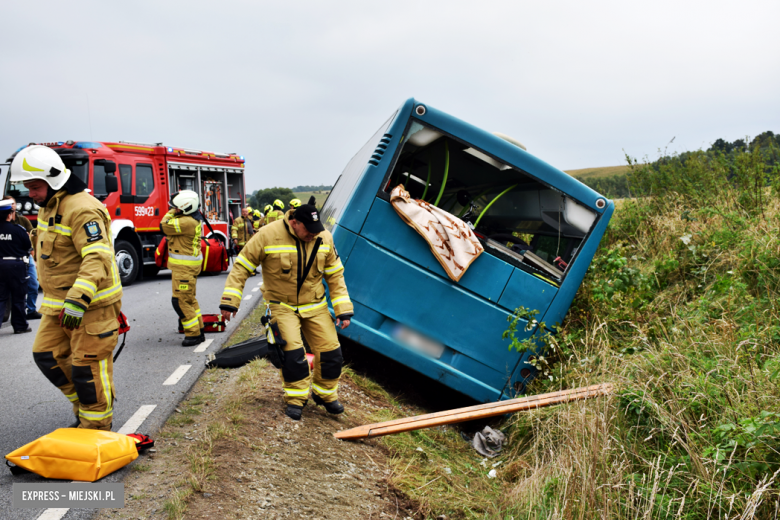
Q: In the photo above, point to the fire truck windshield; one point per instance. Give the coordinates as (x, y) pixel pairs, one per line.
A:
(79, 168)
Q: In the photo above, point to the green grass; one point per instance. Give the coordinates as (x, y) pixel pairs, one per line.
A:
(320, 196)
(599, 172)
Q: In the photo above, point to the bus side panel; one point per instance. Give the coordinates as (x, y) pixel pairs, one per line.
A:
(356, 210)
(467, 324)
(562, 302)
(344, 240)
(526, 290)
(367, 331)
(487, 276)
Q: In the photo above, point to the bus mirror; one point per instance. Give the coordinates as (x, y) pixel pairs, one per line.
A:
(112, 185)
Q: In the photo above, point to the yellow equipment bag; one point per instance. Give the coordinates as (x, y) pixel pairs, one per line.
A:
(76, 454)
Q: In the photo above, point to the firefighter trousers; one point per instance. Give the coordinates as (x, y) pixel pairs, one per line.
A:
(79, 363)
(184, 280)
(323, 341)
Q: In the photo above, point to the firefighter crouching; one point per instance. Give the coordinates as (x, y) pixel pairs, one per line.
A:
(82, 291)
(185, 260)
(296, 253)
(14, 250)
(241, 230)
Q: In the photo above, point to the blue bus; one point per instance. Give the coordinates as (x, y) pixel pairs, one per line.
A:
(539, 228)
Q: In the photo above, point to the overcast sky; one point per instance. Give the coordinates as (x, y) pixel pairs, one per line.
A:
(298, 87)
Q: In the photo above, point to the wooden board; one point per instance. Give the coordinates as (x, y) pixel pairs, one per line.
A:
(474, 412)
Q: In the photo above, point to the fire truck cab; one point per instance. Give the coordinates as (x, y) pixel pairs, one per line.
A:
(147, 175)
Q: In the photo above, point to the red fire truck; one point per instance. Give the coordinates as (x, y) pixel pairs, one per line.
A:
(146, 177)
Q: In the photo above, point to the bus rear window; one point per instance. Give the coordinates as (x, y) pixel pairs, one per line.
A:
(516, 216)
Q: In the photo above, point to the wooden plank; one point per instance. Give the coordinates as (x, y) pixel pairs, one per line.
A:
(470, 413)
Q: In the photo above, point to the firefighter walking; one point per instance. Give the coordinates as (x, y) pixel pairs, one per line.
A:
(241, 230)
(185, 260)
(82, 291)
(296, 253)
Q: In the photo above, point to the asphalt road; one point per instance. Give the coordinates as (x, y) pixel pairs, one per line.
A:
(144, 376)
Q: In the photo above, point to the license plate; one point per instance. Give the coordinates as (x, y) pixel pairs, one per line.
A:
(418, 342)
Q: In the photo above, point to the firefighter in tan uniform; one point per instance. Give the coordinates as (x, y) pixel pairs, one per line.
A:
(82, 290)
(296, 253)
(258, 221)
(275, 213)
(241, 230)
(185, 261)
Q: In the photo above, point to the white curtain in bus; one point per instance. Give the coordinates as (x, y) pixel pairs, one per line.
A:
(451, 240)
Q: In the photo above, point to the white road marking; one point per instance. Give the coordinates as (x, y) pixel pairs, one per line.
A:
(256, 289)
(54, 513)
(138, 418)
(203, 346)
(248, 297)
(177, 374)
(130, 426)
(259, 284)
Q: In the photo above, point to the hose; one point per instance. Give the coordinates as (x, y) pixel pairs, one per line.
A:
(491, 203)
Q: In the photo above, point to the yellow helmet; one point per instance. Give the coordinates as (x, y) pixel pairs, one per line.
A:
(295, 203)
(257, 213)
(268, 208)
(279, 204)
(249, 209)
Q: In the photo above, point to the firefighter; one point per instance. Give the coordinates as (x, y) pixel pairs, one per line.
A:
(82, 291)
(258, 220)
(14, 255)
(296, 253)
(275, 213)
(295, 203)
(241, 230)
(184, 260)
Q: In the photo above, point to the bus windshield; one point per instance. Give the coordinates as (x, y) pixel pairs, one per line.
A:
(516, 216)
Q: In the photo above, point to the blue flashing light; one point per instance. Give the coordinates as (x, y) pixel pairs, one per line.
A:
(241, 157)
(170, 149)
(60, 143)
(87, 144)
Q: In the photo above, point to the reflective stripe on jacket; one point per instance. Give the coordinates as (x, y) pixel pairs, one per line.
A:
(241, 230)
(74, 253)
(283, 257)
(183, 232)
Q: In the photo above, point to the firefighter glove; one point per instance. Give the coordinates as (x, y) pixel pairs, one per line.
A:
(71, 316)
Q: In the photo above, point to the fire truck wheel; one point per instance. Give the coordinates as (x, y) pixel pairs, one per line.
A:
(126, 261)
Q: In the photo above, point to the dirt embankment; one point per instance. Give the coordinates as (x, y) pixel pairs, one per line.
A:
(230, 452)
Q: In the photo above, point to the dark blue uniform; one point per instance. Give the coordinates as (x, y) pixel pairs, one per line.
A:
(14, 250)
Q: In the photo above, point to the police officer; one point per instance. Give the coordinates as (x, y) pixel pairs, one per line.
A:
(296, 253)
(185, 261)
(82, 290)
(275, 213)
(14, 250)
(241, 230)
(32, 281)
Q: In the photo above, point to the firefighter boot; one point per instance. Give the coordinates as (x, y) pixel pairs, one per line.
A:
(294, 412)
(333, 407)
(191, 341)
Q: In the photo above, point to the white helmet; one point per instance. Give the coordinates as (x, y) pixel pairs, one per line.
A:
(39, 162)
(187, 201)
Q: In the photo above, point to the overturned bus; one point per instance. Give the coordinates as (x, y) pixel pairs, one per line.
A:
(538, 226)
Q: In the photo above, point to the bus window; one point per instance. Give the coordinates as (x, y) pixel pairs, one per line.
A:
(346, 182)
(517, 217)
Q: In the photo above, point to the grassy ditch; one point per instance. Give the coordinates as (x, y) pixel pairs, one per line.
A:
(680, 310)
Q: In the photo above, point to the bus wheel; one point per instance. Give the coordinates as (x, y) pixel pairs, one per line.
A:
(126, 261)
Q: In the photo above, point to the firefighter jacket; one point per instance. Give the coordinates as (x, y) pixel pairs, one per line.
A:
(74, 253)
(241, 231)
(284, 258)
(183, 232)
(274, 215)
